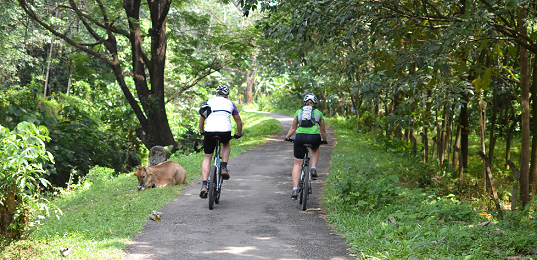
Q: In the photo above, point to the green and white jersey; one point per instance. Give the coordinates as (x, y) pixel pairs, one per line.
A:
(313, 129)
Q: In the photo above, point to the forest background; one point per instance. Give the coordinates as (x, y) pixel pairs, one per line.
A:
(449, 83)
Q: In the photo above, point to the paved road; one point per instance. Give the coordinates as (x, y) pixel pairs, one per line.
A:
(255, 219)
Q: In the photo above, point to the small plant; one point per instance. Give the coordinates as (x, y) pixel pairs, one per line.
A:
(22, 157)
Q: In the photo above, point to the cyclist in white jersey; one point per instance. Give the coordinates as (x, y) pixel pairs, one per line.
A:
(218, 123)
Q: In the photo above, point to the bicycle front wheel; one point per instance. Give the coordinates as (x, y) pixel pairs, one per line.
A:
(212, 187)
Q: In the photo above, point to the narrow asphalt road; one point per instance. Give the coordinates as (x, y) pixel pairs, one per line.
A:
(255, 218)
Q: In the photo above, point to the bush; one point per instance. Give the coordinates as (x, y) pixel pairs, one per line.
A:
(22, 156)
(81, 136)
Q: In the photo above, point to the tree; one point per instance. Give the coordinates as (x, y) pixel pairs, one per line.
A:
(105, 27)
(421, 60)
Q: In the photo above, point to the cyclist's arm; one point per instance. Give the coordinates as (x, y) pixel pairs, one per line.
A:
(201, 124)
(238, 120)
(293, 128)
(322, 128)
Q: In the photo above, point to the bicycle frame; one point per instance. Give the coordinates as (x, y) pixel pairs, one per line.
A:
(217, 162)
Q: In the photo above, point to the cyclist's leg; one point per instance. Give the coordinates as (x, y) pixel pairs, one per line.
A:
(208, 148)
(226, 147)
(209, 143)
(314, 156)
(299, 152)
(297, 170)
(226, 150)
(315, 140)
(206, 166)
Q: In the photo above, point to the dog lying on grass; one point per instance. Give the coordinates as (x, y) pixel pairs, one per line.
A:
(160, 175)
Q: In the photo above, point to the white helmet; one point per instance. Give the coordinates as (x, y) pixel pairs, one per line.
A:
(222, 90)
(310, 97)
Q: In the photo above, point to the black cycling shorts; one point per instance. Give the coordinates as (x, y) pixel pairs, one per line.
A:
(209, 143)
(300, 139)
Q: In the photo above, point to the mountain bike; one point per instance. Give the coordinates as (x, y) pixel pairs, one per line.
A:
(214, 181)
(304, 185)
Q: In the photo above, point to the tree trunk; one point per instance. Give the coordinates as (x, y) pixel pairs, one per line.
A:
(412, 137)
(489, 183)
(425, 142)
(533, 167)
(50, 56)
(525, 108)
(492, 136)
(457, 155)
(514, 194)
(464, 124)
(249, 88)
(425, 133)
(482, 116)
(9, 216)
(154, 122)
(250, 80)
(461, 170)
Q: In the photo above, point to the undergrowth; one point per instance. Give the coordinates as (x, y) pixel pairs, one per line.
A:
(383, 216)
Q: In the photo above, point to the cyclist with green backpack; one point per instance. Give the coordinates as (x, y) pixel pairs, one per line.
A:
(310, 128)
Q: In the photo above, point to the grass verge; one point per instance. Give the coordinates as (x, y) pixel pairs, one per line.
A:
(384, 218)
(102, 213)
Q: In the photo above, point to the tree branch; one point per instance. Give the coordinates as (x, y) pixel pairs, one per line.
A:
(27, 9)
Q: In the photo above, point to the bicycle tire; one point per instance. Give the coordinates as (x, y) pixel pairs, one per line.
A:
(212, 187)
(306, 187)
(300, 188)
(218, 190)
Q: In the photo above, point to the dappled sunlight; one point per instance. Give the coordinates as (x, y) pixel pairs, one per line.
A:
(287, 119)
(263, 238)
(239, 251)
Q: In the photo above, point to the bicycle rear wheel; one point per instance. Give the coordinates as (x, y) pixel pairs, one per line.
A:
(301, 188)
(212, 187)
(305, 187)
(218, 190)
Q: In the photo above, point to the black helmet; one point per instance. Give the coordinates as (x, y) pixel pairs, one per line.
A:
(222, 90)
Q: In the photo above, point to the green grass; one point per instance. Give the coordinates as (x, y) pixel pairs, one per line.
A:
(384, 218)
(102, 214)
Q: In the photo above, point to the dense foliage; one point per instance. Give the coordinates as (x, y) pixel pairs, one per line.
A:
(372, 200)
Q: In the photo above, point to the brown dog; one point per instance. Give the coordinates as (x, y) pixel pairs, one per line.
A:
(160, 175)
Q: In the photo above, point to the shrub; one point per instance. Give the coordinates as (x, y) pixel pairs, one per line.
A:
(22, 156)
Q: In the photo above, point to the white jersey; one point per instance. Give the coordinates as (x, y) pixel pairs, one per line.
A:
(219, 119)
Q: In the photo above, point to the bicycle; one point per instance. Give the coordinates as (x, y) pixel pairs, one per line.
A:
(215, 180)
(304, 185)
